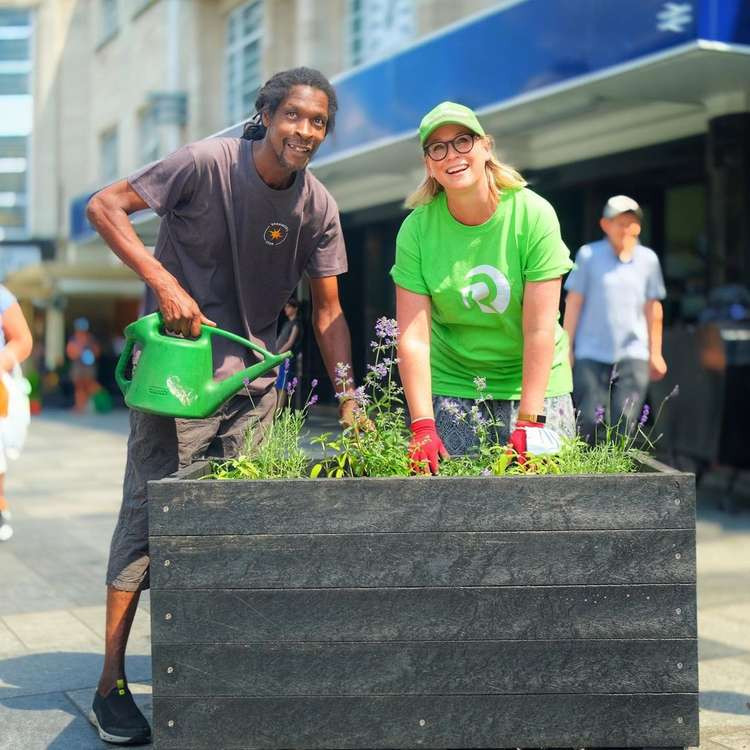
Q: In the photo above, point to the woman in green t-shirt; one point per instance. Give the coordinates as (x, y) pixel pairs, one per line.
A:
(478, 271)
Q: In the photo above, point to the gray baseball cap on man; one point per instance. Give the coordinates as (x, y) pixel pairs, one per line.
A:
(621, 204)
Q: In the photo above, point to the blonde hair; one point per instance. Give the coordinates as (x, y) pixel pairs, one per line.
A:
(499, 177)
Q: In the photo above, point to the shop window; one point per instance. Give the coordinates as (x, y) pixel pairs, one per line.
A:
(685, 257)
(14, 49)
(12, 182)
(10, 17)
(12, 217)
(149, 145)
(108, 157)
(378, 27)
(243, 60)
(12, 147)
(14, 84)
(109, 18)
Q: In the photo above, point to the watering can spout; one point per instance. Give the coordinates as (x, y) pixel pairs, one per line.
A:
(174, 377)
(226, 388)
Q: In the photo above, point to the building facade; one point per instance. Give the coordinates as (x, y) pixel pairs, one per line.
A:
(585, 98)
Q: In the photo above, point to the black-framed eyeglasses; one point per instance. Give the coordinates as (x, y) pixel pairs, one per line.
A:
(462, 144)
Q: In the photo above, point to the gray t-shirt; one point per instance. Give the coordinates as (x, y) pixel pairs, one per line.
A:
(237, 246)
(612, 325)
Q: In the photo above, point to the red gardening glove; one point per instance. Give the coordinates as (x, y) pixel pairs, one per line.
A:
(425, 445)
(518, 439)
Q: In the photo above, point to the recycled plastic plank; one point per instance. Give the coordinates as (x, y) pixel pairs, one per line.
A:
(420, 614)
(542, 503)
(427, 668)
(425, 559)
(427, 721)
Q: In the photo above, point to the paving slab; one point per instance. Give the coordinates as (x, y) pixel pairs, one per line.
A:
(65, 492)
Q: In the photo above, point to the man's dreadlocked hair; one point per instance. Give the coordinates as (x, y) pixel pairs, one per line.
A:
(277, 88)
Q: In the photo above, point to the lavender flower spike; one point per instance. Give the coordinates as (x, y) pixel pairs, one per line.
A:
(599, 415)
(480, 383)
(386, 328)
(644, 415)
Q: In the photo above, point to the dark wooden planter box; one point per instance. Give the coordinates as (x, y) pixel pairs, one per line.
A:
(424, 612)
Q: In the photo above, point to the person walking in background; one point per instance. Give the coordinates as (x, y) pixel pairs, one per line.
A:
(83, 352)
(289, 339)
(478, 273)
(15, 347)
(613, 316)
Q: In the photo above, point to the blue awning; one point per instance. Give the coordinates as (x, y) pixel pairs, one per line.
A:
(517, 50)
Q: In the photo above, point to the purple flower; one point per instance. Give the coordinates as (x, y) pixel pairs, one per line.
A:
(644, 415)
(314, 383)
(361, 397)
(599, 415)
(374, 345)
(480, 383)
(386, 328)
(486, 473)
(313, 399)
(291, 386)
(379, 370)
(341, 373)
(287, 362)
(246, 382)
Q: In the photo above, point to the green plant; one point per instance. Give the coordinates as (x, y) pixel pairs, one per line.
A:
(377, 445)
(273, 451)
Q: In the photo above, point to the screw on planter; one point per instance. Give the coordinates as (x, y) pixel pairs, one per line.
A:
(168, 616)
(679, 665)
(677, 502)
(680, 720)
(422, 722)
(170, 723)
(678, 611)
(677, 556)
(171, 669)
(166, 509)
(167, 563)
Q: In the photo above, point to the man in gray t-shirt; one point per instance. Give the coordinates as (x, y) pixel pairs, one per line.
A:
(613, 317)
(242, 222)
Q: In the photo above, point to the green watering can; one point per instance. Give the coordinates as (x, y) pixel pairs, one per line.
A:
(174, 376)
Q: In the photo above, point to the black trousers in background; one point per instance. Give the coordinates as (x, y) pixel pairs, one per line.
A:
(619, 388)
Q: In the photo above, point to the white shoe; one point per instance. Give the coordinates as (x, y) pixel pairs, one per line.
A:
(6, 530)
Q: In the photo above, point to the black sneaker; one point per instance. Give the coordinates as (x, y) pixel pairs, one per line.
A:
(118, 719)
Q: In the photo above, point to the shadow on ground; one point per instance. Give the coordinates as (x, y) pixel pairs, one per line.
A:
(726, 702)
(48, 695)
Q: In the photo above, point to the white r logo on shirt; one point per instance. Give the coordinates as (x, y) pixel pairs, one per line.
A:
(480, 291)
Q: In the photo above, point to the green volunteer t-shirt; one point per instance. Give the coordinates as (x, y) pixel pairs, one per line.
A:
(475, 277)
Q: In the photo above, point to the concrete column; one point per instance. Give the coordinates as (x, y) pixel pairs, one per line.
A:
(728, 169)
(54, 336)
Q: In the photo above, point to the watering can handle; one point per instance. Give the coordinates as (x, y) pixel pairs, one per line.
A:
(122, 364)
(239, 340)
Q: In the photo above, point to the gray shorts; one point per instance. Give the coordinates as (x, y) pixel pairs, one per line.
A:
(159, 446)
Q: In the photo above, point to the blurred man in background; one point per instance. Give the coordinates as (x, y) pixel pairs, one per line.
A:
(613, 317)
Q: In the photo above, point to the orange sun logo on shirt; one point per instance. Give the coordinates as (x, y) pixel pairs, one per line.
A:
(275, 233)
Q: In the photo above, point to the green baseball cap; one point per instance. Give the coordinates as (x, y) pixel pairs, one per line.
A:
(445, 113)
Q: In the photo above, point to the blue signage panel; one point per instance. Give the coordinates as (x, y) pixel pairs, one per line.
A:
(725, 21)
(517, 50)
(80, 229)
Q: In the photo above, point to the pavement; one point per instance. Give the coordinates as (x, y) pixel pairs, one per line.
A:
(65, 492)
